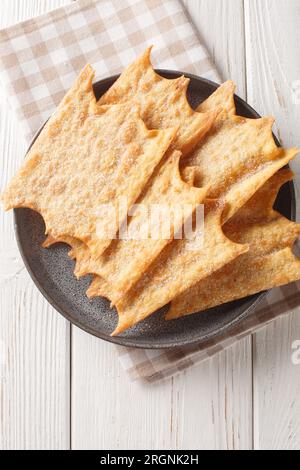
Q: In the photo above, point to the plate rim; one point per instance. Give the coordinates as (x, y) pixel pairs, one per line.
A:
(139, 343)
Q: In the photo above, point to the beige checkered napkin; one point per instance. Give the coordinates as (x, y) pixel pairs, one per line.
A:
(40, 58)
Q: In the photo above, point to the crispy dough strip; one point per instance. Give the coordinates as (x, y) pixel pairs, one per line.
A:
(249, 184)
(99, 287)
(94, 153)
(163, 101)
(189, 174)
(237, 158)
(126, 259)
(268, 263)
(238, 155)
(223, 97)
(238, 174)
(180, 264)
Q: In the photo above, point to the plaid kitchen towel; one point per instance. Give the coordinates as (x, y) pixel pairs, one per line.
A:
(39, 60)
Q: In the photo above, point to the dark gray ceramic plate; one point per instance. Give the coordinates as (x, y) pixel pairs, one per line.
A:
(52, 270)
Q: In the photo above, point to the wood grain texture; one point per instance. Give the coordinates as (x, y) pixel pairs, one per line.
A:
(13, 11)
(207, 407)
(34, 339)
(277, 386)
(273, 70)
(220, 26)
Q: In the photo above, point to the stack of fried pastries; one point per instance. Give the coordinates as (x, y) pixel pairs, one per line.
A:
(142, 145)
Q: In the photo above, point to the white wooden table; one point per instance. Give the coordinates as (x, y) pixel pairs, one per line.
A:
(61, 388)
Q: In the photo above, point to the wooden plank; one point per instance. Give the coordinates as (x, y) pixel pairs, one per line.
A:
(34, 339)
(13, 11)
(273, 72)
(213, 408)
(220, 26)
(206, 407)
(277, 386)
